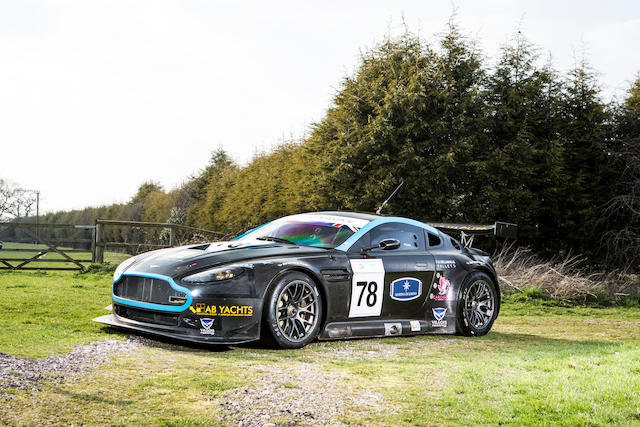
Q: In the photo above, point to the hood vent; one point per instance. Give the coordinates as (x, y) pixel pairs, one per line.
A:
(201, 247)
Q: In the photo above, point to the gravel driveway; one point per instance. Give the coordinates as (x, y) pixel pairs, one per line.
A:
(303, 394)
(21, 374)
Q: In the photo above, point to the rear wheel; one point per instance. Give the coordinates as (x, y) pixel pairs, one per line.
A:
(293, 311)
(478, 305)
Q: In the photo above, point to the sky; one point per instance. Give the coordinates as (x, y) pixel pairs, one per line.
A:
(97, 97)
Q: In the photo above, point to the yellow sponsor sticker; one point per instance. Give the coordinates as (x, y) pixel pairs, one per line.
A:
(202, 309)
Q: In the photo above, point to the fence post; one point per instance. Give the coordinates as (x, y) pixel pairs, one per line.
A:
(171, 236)
(93, 245)
(99, 244)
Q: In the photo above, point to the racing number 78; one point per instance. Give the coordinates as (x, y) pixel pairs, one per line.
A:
(372, 288)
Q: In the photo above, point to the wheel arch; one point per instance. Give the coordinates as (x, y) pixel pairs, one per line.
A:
(322, 287)
(492, 275)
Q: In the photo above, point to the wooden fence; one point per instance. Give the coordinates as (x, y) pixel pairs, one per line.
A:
(175, 235)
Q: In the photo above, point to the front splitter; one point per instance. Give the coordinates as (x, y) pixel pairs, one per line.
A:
(132, 325)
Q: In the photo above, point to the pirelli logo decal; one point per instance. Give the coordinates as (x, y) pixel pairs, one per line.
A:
(202, 309)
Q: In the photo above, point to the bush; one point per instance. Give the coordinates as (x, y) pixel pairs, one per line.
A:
(530, 278)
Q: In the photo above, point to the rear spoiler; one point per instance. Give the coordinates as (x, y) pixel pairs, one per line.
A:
(505, 230)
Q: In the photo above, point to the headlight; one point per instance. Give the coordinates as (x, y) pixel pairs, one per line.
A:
(122, 267)
(215, 275)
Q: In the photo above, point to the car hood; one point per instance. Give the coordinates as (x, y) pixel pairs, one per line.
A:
(178, 262)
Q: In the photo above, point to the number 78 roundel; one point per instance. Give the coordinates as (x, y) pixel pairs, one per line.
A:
(367, 287)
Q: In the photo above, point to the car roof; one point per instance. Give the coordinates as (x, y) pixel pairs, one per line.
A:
(358, 215)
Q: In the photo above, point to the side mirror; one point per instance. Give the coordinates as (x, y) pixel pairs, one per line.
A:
(389, 244)
(385, 245)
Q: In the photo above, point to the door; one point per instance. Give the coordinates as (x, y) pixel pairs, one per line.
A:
(391, 284)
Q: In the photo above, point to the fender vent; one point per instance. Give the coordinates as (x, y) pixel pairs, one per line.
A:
(335, 275)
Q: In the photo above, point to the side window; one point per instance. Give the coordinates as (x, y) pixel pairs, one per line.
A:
(434, 240)
(363, 242)
(411, 238)
(455, 244)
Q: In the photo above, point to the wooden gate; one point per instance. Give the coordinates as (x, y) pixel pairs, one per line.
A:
(30, 243)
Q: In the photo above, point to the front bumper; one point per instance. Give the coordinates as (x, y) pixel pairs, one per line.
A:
(227, 313)
(251, 333)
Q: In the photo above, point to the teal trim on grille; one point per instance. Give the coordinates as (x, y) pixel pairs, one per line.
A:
(149, 305)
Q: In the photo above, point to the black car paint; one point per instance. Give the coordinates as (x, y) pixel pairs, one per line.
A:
(264, 262)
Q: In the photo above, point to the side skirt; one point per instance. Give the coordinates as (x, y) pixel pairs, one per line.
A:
(380, 328)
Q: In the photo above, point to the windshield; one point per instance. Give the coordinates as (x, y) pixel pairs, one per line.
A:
(308, 230)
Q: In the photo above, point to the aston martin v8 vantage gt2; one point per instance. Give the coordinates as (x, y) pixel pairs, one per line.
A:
(325, 275)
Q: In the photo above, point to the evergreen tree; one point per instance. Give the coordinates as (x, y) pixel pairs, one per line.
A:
(144, 190)
(219, 162)
(209, 190)
(521, 175)
(409, 114)
(373, 135)
(628, 115)
(268, 188)
(586, 166)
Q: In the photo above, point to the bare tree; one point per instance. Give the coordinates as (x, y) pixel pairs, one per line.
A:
(622, 240)
(15, 202)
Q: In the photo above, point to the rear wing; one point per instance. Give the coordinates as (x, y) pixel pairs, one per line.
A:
(505, 230)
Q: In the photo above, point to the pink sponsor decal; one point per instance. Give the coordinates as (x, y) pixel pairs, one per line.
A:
(444, 286)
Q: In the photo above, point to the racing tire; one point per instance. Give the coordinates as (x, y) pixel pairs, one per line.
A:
(478, 305)
(293, 311)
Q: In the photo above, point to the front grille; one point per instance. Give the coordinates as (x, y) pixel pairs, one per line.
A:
(146, 316)
(148, 289)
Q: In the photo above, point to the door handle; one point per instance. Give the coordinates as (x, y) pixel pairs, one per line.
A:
(421, 266)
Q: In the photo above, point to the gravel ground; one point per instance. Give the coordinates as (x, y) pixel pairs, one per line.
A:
(303, 395)
(19, 373)
(308, 395)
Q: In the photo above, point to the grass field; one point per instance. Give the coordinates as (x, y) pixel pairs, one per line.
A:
(541, 364)
(46, 313)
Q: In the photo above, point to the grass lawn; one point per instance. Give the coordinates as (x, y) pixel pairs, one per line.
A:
(541, 364)
(46, 313)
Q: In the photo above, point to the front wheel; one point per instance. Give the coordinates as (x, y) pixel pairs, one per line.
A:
(478, 305)
(293, 310)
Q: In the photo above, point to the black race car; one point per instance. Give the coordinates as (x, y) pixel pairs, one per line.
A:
(325, 275)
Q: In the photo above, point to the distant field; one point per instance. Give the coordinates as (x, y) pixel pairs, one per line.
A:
(111, 257)
(540, 365)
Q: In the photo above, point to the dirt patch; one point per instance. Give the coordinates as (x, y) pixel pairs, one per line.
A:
(302, 395)
(20, 374)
